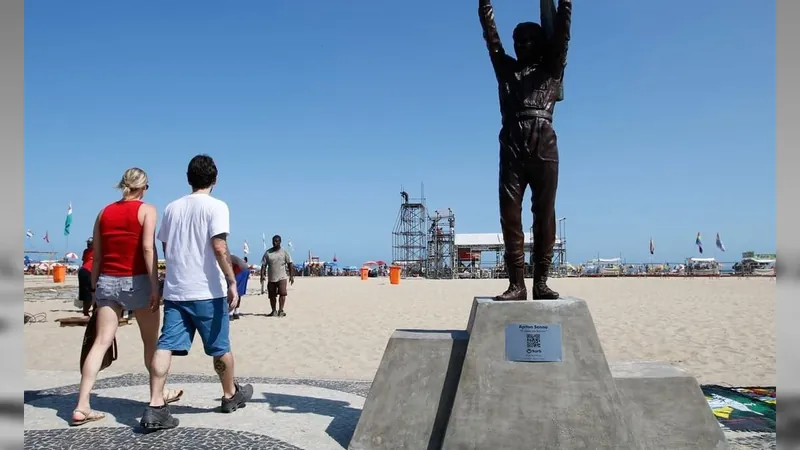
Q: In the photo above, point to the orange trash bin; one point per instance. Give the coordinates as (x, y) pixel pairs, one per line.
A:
(364, 273)
(394, 274)
(59, 274)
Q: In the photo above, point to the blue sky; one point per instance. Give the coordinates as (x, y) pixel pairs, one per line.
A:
(667, 129)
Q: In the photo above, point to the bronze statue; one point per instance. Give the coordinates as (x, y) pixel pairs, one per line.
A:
(529, 87)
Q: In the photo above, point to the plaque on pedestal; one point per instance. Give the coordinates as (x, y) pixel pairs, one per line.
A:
(533, 342)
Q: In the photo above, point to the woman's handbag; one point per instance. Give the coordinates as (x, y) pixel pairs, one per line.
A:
(88, 340)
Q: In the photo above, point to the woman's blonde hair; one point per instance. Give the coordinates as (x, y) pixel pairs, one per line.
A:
(132, 180)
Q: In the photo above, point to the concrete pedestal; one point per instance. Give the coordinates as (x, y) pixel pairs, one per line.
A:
(667, 407)
(461, 390)
(501, 404)
(409, 403)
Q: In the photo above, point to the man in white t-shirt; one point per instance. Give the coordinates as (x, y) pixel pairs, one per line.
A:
(199, 291)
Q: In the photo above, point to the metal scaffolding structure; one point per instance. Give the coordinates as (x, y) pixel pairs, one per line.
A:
(558, 265)
(409, 249)
(442, 252)
(470, 247)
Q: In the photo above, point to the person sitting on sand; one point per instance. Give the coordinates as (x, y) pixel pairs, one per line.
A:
(124, 277)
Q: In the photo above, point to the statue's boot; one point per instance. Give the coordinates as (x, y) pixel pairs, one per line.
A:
(516, 286)
(540, 289)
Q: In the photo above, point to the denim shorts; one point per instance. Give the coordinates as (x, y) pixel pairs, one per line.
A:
(129, 293)
(209, 318)
(241, 282)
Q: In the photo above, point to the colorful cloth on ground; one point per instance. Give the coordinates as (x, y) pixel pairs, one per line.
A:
(746, 408)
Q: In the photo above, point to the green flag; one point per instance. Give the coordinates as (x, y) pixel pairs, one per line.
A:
(68, 222)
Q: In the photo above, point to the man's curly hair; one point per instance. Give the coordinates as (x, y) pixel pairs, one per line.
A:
(202, 172)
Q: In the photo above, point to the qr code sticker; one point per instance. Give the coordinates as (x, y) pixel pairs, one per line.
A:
(534, 340)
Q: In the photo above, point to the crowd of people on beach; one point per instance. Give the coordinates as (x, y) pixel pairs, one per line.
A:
(200, 291)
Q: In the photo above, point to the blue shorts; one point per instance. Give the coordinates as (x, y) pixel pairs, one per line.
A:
(241, 282)
(208, 317)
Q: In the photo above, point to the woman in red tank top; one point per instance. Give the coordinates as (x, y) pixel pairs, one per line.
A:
(124, 277)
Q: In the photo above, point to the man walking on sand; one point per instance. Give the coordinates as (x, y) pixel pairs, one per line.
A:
(276, 267)
(199, 291)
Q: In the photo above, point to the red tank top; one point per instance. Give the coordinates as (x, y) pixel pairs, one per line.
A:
(121, 240)
(88, 259)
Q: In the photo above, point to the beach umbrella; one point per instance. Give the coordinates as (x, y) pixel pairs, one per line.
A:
(71, 255)
(370, 263)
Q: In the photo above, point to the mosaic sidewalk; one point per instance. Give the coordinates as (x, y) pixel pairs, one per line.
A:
(285, 414)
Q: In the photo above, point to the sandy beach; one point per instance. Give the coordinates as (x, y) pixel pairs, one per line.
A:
(721, 330)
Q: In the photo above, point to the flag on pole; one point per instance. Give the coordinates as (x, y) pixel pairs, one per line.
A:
(46, 237)
(291, 247)
(720, 245)
(699, 243)
(29, 234)
(334, 258)
(652, 247)
(246, 248)
(264, 240)
(68, 221)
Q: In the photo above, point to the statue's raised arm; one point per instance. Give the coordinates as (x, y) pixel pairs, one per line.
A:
(490, 34)
(557, 30)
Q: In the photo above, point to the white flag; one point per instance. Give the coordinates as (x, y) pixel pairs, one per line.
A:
(720, 245)
(29, 234)
(246, 248)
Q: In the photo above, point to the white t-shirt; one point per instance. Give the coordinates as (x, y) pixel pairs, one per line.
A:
(187, 228)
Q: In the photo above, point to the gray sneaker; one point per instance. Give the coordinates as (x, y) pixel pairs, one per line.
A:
(155, 419)
(239, 400)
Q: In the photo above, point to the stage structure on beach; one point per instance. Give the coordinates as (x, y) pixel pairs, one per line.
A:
(470, 246)
(409, 238)
(441, 245)
(427, 245)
